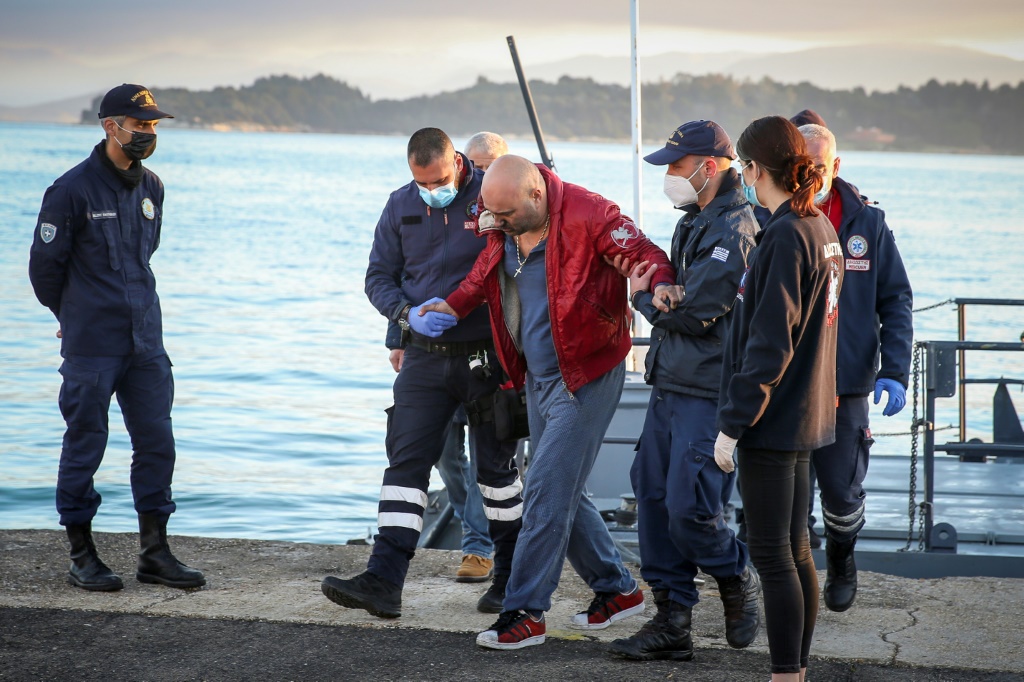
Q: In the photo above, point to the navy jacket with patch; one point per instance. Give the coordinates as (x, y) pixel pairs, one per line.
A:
(89, 261)
(420, 253)
(876, 325)
(779, 365)
(710, 248)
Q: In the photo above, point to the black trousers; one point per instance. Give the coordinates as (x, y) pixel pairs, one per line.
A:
(428, 391)
(775, 489)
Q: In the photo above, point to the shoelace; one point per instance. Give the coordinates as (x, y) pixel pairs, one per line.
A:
(508, 619)
(599, 602)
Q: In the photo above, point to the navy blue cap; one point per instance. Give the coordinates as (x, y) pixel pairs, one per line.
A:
(808, 116)
(703, 138)
(131, 100)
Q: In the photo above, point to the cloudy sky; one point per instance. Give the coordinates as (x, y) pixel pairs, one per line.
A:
(54, 49)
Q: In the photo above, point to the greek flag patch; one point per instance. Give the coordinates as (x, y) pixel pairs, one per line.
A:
(720, 254)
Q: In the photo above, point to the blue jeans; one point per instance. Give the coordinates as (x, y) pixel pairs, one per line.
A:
(680, 495)
(458, 473)
(559, 519)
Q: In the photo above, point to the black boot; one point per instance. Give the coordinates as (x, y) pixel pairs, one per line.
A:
(666, 636)
(841, 576)
(742, 617)
(366, 591)
(156, 563)
(87, 571)
(494, 596)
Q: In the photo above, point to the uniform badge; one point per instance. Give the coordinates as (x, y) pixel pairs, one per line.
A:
(857, 246)
(47, 232)
(472, 210)
(147, 209)
(622, 234)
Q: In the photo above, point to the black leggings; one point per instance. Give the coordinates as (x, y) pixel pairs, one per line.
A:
(775, 488)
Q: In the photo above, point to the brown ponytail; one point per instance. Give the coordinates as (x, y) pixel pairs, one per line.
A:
(779, 148)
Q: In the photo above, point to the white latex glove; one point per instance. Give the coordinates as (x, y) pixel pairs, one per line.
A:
(724, 447)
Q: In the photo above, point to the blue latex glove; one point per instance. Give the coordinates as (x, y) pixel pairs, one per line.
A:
(897, 395)
(431, 323)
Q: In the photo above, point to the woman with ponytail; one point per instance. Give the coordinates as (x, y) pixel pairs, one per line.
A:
(778, 397)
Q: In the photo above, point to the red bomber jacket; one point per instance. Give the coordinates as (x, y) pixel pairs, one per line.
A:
(587, 298)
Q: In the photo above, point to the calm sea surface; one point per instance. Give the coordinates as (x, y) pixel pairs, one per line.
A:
(281, 375)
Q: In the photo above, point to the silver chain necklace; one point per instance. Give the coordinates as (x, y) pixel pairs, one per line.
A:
(519, 258)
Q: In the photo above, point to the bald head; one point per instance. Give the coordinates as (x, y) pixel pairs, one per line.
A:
(514, 192)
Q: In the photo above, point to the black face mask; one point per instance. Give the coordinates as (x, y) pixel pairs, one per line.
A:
(141, 146)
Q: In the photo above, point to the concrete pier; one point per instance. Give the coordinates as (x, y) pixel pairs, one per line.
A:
(262, 616)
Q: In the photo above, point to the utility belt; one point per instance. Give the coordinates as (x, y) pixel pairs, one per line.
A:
(451, 348)
(506, 408)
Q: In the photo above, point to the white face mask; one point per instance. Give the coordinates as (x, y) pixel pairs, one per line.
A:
(679, 190)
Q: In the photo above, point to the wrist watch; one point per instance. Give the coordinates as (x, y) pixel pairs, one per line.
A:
(403, 318)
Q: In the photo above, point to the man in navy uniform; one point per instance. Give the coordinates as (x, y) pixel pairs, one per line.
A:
(423, 247)
(873, 355)
(680, 491)
(97, 230)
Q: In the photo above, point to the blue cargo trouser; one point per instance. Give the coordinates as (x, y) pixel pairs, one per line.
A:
(681, 493)
(145, 391)
(841, 468)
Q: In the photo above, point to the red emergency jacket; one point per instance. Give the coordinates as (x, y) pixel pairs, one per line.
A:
(590, 318)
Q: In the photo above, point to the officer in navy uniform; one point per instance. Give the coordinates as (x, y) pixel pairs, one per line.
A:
(423, 247)
(97, 230)
(873, 355)
(680, 490)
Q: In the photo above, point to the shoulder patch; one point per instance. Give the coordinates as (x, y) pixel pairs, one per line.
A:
(720, 253)
(624, 233)
(47, 231)
(147, 208)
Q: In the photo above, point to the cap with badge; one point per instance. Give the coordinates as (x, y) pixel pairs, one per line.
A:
(702, 138)
(131, 100)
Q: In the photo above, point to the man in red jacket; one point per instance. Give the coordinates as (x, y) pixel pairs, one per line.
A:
(561, 327)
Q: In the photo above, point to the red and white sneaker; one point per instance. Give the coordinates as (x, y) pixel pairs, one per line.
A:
(513, 630)
(608, 608)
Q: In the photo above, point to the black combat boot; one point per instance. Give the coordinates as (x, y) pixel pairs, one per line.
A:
(666, 636)
(366, 591)
(841, 576)
(742, 617)
(87, 571)
(156, 563)
(494, 596)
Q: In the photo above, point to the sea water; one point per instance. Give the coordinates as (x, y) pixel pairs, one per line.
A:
(281, 374)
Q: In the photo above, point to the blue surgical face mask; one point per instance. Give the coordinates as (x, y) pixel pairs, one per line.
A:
(438, 197)
(823, 193)
(748, 190)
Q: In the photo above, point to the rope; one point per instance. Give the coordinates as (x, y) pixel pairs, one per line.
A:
(936, 305)
(911, 432)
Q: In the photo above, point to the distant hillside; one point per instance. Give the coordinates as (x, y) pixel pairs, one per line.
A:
(934, 117)
(874, 67)
(61, 111)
